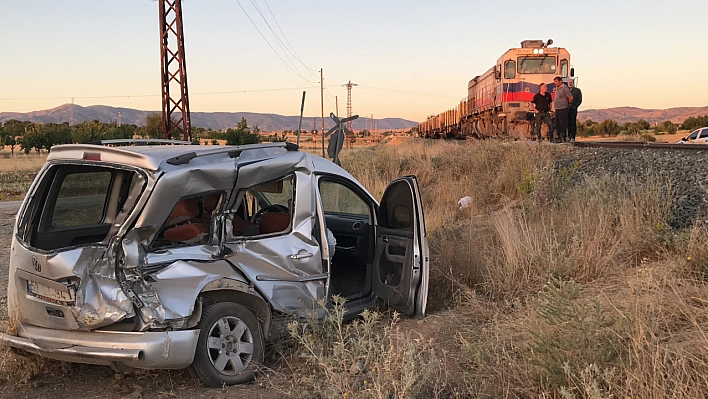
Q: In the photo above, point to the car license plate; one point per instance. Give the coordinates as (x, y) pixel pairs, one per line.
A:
(65, 297)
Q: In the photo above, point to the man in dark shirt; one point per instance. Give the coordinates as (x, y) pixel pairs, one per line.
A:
(541, 105)
(573, 113)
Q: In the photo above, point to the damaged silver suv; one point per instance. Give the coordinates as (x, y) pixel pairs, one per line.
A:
(177, 256)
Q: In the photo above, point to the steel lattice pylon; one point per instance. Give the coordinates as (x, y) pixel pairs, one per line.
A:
(349, 102)
(174, 71)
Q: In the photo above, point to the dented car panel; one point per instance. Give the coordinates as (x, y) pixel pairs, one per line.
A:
(121, 350)
(176, 256)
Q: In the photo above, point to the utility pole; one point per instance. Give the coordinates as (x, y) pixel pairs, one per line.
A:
(174, 70)
(322, 104)
(299, 126)
(349, 102)
(336, 104)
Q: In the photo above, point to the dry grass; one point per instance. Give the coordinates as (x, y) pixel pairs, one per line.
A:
(561, 287)
(21, 161)
(17, 173)
(558, 287)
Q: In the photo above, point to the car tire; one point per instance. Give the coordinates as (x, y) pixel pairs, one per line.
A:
(230, 346)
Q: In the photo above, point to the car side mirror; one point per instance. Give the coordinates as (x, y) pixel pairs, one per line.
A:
(572, 72)
(684, 139)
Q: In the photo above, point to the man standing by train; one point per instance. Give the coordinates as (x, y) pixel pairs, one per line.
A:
(573, 113)
(540, 105)
(561, 103)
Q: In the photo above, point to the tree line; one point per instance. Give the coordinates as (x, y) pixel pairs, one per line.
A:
(610, 127)
(29, 136)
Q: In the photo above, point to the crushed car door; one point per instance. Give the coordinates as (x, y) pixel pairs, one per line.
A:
(401, 264)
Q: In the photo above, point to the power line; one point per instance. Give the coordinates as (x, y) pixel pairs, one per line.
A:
(286, 38)
(280, 42)
(271, 46)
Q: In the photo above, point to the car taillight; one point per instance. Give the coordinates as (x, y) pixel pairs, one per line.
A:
(90, 156)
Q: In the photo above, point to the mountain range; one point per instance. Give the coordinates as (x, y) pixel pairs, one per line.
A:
(632, 114)
(74, 114)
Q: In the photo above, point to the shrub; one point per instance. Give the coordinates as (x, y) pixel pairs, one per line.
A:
(666, 127)
(570, 335)
(366, 358)
(607, 128)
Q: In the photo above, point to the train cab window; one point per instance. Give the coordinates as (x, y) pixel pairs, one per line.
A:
(564, 68)
(510, 69)
(536, 64)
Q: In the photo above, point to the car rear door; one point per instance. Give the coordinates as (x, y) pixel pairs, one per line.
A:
(401, 263)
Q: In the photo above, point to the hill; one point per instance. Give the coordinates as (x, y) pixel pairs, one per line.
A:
(632, 114)
(73, 113)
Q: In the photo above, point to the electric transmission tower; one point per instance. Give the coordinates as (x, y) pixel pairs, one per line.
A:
(174, 71)
(349, 102)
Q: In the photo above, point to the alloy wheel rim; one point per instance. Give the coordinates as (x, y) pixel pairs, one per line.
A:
(230, 346)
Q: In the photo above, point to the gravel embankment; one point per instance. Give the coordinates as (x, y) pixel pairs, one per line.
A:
(685, 170)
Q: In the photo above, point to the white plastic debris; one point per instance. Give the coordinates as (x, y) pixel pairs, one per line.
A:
(331, 242)
(465, 202)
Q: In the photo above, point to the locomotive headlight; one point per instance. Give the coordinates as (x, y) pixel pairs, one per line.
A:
(535, 51)
(540, 51)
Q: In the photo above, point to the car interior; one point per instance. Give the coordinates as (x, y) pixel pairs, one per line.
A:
(77, 205)
(349, 218)
(189, 222)
(264, 209)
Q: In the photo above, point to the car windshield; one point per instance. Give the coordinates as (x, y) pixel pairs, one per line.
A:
(543, 64)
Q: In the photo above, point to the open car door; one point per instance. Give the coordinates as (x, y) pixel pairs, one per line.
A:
(401, 264)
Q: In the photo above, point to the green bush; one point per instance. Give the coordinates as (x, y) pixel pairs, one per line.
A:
(607, 128)
(571, 335)
(695, 122)
(666, 127)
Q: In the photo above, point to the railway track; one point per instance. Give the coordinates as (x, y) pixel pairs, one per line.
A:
(640, 145)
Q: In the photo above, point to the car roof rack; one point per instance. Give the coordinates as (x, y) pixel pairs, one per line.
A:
(233, 151)
(118, 142)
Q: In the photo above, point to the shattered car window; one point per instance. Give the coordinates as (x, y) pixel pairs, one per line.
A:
(189, 223)
(265, 208)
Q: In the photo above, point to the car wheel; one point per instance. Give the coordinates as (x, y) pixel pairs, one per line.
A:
(230, 346)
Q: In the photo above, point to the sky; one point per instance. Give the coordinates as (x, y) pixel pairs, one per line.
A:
(410, 58)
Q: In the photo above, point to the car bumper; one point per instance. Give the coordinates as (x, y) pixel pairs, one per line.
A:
(120, 350)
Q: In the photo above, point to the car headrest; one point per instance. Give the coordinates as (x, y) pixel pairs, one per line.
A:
(185, 210)
(274, 222)
(210, 202)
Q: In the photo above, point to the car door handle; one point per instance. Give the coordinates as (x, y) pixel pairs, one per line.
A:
(301, 255)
